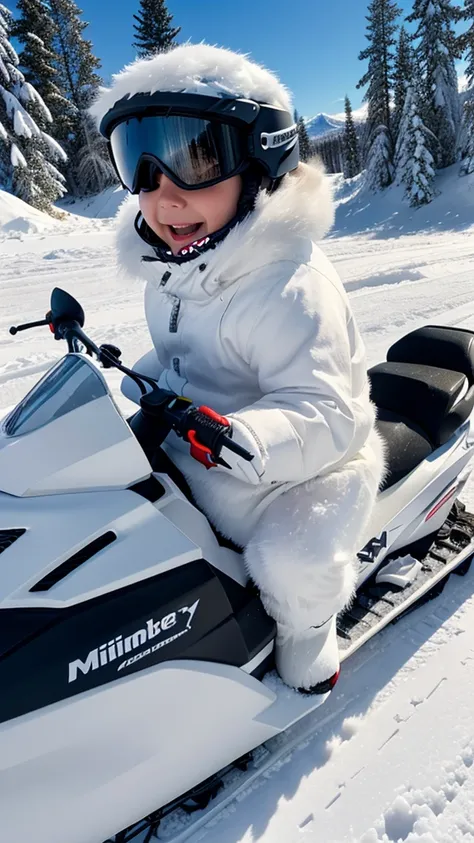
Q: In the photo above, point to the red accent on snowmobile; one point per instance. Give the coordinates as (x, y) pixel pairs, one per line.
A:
(199, 451)
(206, 411)
(441, 503)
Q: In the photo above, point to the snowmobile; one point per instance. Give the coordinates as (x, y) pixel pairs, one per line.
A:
(135, 657)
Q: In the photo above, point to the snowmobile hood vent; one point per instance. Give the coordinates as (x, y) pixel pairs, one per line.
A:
(8, 537)
(74, 562)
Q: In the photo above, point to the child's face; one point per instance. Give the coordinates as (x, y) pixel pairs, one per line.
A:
(201, 211)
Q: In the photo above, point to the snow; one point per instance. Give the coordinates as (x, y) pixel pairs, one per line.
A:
(16, 156)
(386, 215)
(55, 148)
(103, 206)
(16, 217)
(390, 756)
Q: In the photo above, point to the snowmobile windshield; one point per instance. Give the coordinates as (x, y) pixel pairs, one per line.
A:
(72, 383)
(192, 152)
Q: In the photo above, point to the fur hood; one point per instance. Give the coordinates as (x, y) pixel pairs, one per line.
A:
(195, 69)
(281, 227)
(284, 223)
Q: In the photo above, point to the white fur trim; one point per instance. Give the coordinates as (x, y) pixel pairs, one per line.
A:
(195, 68)
(302, 554)
(300, 211)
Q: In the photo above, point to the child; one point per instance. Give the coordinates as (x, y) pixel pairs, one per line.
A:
(248, 316)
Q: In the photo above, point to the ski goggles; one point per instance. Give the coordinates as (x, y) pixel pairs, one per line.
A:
(193, 152)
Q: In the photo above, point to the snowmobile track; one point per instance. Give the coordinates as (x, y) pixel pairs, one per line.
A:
(376, 606)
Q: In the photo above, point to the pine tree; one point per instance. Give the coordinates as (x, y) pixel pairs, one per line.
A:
(414, 162)
(466, 138)
(379, 77)
(154, 33)
(28, 154)
(379, 167)
(352, 165)
(78, 82)
(437, 50)
(305, 143)
(466, 41)
(467, 151)
(35, 30)
(403, 75)
(330, 149)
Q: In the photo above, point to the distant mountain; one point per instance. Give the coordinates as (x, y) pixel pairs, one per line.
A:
(325, 124)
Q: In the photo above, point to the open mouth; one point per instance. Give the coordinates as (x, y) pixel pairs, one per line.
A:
(183, 232)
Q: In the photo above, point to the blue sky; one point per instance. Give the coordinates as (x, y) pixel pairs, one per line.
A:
(312, 44)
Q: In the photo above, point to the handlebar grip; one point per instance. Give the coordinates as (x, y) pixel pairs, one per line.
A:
(237, 449)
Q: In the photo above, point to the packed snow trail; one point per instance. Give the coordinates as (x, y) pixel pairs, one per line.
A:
(389, 757)
(387, 302)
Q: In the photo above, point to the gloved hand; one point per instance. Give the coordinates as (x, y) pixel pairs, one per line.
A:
(214, 440)
(248, 472)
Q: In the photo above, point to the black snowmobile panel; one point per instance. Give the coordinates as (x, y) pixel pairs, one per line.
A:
(191, 612)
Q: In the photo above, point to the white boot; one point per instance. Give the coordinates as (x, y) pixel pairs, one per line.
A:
(308, 660)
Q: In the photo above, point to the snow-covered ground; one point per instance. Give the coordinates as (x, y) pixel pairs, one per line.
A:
(390, 757)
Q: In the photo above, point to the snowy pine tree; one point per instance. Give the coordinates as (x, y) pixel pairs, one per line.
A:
(467, 150)
(352, 165)
(379, 166)
(403, 75)
(154, 33)
(34, 29)
(414, 163)
(78, 81)
(381, 30)
(466, 41)
(436, 52)
(28, 154)
(305, 143)
(466, 45)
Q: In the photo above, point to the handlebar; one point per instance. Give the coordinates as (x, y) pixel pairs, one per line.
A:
(161, 410)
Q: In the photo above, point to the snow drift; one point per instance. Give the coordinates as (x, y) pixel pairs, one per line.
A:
(17, 218)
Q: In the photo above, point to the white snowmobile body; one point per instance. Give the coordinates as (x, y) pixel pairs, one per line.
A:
(133, 653)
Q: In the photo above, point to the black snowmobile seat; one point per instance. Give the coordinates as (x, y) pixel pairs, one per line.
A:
(424, 392)
(406, 445)
(438, 346)
(426, 395)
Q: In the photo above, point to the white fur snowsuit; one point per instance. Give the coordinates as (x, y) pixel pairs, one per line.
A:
(260, 329)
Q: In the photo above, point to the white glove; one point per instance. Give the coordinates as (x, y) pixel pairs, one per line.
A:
(248, 472)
